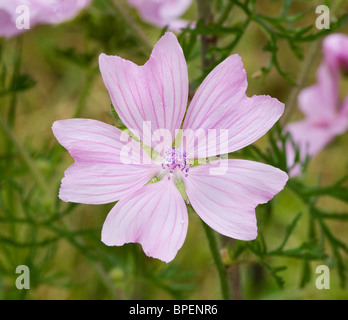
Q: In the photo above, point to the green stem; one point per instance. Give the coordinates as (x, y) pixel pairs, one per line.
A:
(147, 45)
(220, 267)
(313, 50)
(205, 14)
(36, 173)
(305, 70)
(225, 13)
(16, 73)
(85, 93)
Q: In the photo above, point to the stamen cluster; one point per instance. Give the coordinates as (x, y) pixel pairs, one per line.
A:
(174, 158)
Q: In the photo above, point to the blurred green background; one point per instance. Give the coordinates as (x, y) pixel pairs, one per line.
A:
(58, 78)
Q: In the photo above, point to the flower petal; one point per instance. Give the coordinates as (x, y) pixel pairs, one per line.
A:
(156, 92)
(173, 9)
(55, 12)
(344, 109)
(155, 216)
(162, 13)
(319, 102)
(7, 28)
(221, 104)
(106, 167)
(311, 138)
(335, 49)
(41, 12)
(226, 198)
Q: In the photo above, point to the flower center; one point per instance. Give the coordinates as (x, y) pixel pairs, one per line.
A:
(173, 159)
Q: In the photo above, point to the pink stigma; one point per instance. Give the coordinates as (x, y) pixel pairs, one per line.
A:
(173, 159)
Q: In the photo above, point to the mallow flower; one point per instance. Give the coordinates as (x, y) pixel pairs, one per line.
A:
(17, 16)
(326, 115)
(163, 13)
(335, 51)
(152, 191)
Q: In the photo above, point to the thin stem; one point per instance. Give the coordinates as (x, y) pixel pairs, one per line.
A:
(85, 93)
(233, 272)
(16, 73)
(204, 12)
(307, 64)
(133, 25)
(25, 156)
(305, 70)
(225, 13)
(220, 267)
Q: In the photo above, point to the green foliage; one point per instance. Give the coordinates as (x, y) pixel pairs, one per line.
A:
(16, 81)
(280, 28)
(319, 233)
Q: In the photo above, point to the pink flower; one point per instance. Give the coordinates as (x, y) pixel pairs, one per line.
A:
(39, 12)
(335, 50)
(110, 166)
(162, 13)
(325, 115)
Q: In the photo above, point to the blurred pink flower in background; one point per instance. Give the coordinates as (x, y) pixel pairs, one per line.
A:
(335, 50)
(39, 12)
(326, 115)
(162, 13)
(155, 214)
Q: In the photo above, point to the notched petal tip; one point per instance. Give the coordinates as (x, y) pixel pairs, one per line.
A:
(101, 59)
(55, 126)
(62, 196)
(152, 217)
(166, 259)
(227, 202)
(58, 129)
(221, 103)
(248, 237)
(154, 93)
(110, 243)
